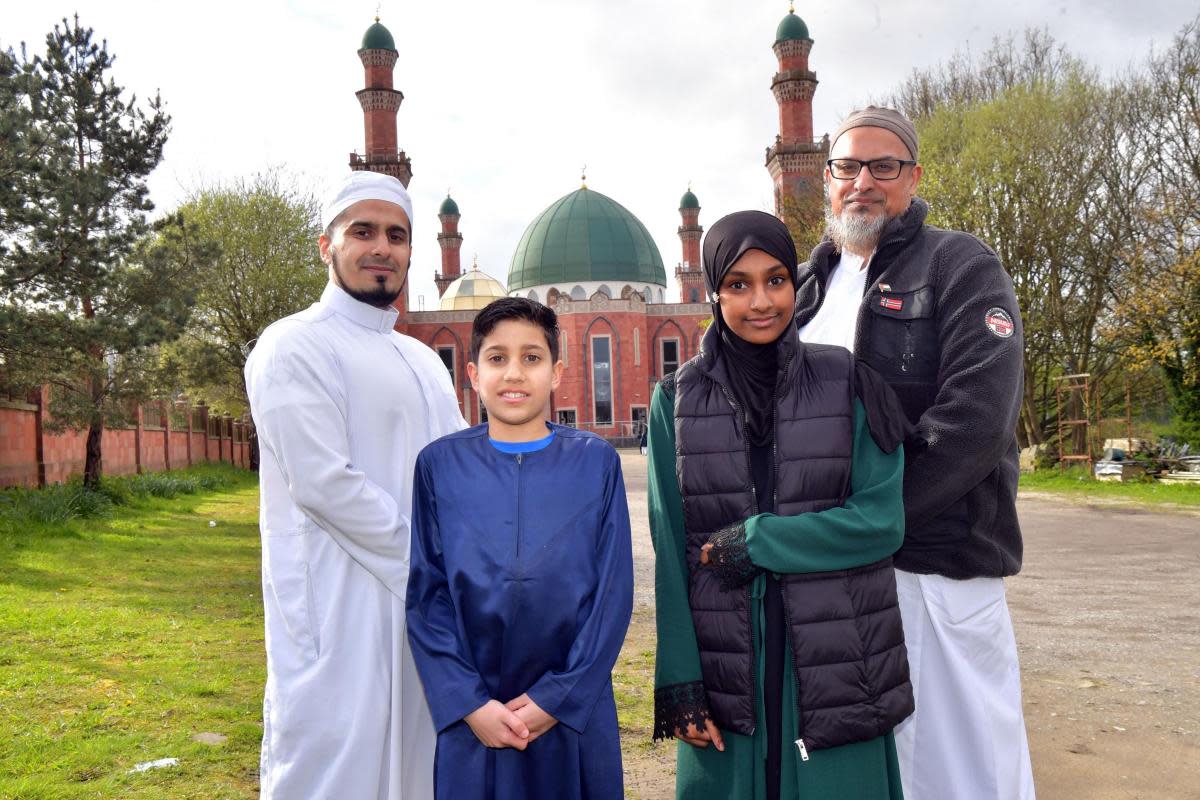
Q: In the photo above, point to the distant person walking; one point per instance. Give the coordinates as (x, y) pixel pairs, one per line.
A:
(343, 404)
(934, 312)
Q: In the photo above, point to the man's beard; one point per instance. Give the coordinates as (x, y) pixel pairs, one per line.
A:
(858, 233)
(378, 295)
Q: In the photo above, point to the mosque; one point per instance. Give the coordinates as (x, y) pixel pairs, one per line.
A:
(589, 258)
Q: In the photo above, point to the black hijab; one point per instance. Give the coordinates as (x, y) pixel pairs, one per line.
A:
(752, 368)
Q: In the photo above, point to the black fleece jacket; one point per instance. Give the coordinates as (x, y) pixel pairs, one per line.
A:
(939, 321)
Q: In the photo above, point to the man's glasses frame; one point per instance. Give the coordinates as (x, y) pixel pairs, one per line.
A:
(840, 168)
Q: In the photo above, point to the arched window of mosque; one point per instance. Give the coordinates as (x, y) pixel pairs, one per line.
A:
(604, 290)
(552, 297)
(577, 293)
(602, 380)
(660, 296)
(669, 353)
(626, 292)
(446, 353)
(647, 295)
(694, 295)
(533, 295)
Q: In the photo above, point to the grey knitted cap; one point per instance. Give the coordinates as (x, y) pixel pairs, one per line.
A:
(876, 117)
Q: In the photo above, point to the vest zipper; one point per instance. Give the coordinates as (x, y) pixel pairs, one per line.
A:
(745, 438)
(775, 436)
(519, 459)
(782, 594)
(787, 618)
(749, 587)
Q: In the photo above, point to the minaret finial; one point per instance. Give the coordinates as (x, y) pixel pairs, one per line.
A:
(583, 177)
(377, 7)
(689, 185)
(475, 261)
(791, 6)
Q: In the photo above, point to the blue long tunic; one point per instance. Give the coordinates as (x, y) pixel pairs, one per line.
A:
(521, 582)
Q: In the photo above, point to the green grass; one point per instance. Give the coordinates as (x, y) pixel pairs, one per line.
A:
(125, 633)
(633, 683)
(1079, 483)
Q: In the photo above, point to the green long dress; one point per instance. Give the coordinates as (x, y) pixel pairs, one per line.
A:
(867, 528)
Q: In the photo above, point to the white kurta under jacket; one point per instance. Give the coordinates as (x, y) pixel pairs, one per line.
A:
(342, 404)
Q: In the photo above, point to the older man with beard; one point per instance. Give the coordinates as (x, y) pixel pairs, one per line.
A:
(343, 404)
(935, 313)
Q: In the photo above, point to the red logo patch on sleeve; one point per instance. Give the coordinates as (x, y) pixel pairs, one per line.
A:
(999, 322)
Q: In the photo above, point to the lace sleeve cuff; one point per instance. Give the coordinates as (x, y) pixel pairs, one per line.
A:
(677, 706)
(730, 557)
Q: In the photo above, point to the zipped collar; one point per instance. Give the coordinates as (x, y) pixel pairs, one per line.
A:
(380, 320)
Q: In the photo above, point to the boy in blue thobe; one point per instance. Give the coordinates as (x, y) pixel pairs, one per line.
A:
(521, 584)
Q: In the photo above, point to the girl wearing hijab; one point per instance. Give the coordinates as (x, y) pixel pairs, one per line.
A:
(775, 476)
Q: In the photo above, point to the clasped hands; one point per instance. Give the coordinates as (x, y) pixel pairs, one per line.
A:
(513, 724)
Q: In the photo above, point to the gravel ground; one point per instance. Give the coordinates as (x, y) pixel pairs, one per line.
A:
(1107, 617)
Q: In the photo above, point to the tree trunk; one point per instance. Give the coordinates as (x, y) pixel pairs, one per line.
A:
(91, 464)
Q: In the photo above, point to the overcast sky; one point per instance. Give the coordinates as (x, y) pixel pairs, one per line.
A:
(505, 102)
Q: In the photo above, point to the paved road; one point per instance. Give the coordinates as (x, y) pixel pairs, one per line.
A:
(1107, 615)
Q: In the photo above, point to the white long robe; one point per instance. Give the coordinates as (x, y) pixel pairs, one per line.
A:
(967, 736)
(342, 404)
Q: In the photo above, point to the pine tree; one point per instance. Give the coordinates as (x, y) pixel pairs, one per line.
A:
(89, 286)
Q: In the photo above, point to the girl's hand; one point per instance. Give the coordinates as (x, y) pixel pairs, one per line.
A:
(701, 738)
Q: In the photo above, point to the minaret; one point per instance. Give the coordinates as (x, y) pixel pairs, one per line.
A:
(688, 273)
(380, 102)
(795, 161)
(450, 240)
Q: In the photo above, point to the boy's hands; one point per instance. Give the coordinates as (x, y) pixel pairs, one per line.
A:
(529, 712)
(514, 724)
(497, 726)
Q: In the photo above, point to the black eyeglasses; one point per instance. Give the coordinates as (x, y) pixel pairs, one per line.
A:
(882, 169)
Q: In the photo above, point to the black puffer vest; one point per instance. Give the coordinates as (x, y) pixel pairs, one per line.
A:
(850, 665)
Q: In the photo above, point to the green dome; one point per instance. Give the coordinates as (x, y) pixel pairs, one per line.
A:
(378, 37)
(791, 28)
(688, 200)
(585, 236)
(448, 206)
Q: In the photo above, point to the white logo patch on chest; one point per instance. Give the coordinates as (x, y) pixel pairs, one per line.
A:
(999, 322)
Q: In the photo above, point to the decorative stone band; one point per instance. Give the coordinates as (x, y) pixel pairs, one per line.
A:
(780, 161)
(378, 58)
(794, 89)
(380, 99)
(793, 47)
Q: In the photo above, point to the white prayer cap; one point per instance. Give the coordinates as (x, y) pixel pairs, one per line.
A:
(364, 185)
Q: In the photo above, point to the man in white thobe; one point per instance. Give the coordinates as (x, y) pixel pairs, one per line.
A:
(343, 404)
(934, 312)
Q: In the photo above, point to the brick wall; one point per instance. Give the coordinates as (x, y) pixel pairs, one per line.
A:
(63, 453)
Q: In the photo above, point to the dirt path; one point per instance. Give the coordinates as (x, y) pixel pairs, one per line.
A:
(1107, 615)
